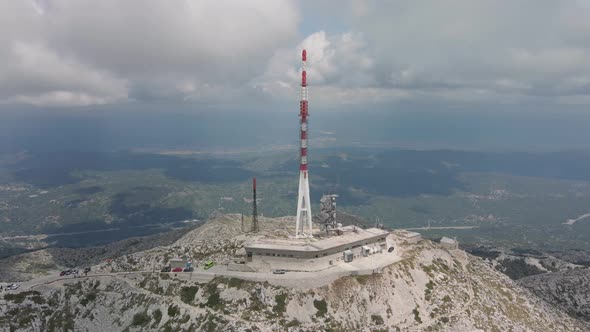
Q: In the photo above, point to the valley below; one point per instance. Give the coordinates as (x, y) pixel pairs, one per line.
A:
(126, 214)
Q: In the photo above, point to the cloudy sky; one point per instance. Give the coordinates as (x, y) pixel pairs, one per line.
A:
(74, 53)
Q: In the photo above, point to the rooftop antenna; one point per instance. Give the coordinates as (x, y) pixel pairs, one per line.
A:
(255, 228)
(328, 213)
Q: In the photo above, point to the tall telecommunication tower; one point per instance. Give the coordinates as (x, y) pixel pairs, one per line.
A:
(303, 200)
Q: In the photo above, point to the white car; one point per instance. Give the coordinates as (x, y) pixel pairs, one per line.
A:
(12, 287)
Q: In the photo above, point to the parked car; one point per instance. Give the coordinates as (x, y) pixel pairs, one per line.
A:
(390, 249)
(166, 269)
(62, 273)
(208, 265)
(68, 272)
(86, 270)
(177, 269)
(189, 269)
(12, 287)
(279, 271)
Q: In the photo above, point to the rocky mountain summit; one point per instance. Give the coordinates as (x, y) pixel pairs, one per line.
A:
(429, 289)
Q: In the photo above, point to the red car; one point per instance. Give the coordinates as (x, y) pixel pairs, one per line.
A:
(177, 269)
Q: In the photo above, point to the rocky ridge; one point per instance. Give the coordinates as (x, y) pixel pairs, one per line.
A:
(568, 290)
(430, 289)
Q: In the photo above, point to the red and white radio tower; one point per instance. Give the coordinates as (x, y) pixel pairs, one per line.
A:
(303, 201)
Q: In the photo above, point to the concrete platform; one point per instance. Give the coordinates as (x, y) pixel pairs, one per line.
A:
(352, 237)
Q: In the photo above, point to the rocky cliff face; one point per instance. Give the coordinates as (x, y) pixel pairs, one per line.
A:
(568, 290)
(430, 289)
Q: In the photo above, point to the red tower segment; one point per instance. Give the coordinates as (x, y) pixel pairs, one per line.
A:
(303, 114)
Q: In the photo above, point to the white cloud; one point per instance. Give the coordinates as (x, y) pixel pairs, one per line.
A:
(531, 48)
(457, 51)
(339, 70)
(38, 75)
(228, 51)
(87, 51)
(61, 98)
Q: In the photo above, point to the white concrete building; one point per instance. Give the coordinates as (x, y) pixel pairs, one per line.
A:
(311, 254)
(409, 237)
(449, 243)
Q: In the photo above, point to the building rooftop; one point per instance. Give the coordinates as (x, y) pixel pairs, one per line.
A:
(408, 234)
(350, 235)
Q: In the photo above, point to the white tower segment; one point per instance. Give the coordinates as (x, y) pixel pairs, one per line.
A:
(303, 200)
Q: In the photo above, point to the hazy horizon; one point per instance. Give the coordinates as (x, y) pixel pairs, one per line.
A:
(113, 129)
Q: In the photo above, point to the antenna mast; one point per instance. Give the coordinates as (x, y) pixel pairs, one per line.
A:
(303, 200)
(255, 228)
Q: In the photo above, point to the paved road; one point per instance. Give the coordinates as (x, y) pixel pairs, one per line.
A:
(302, 280)
(440, 227)
(573, 221)
(48, 280)
(309, 280)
